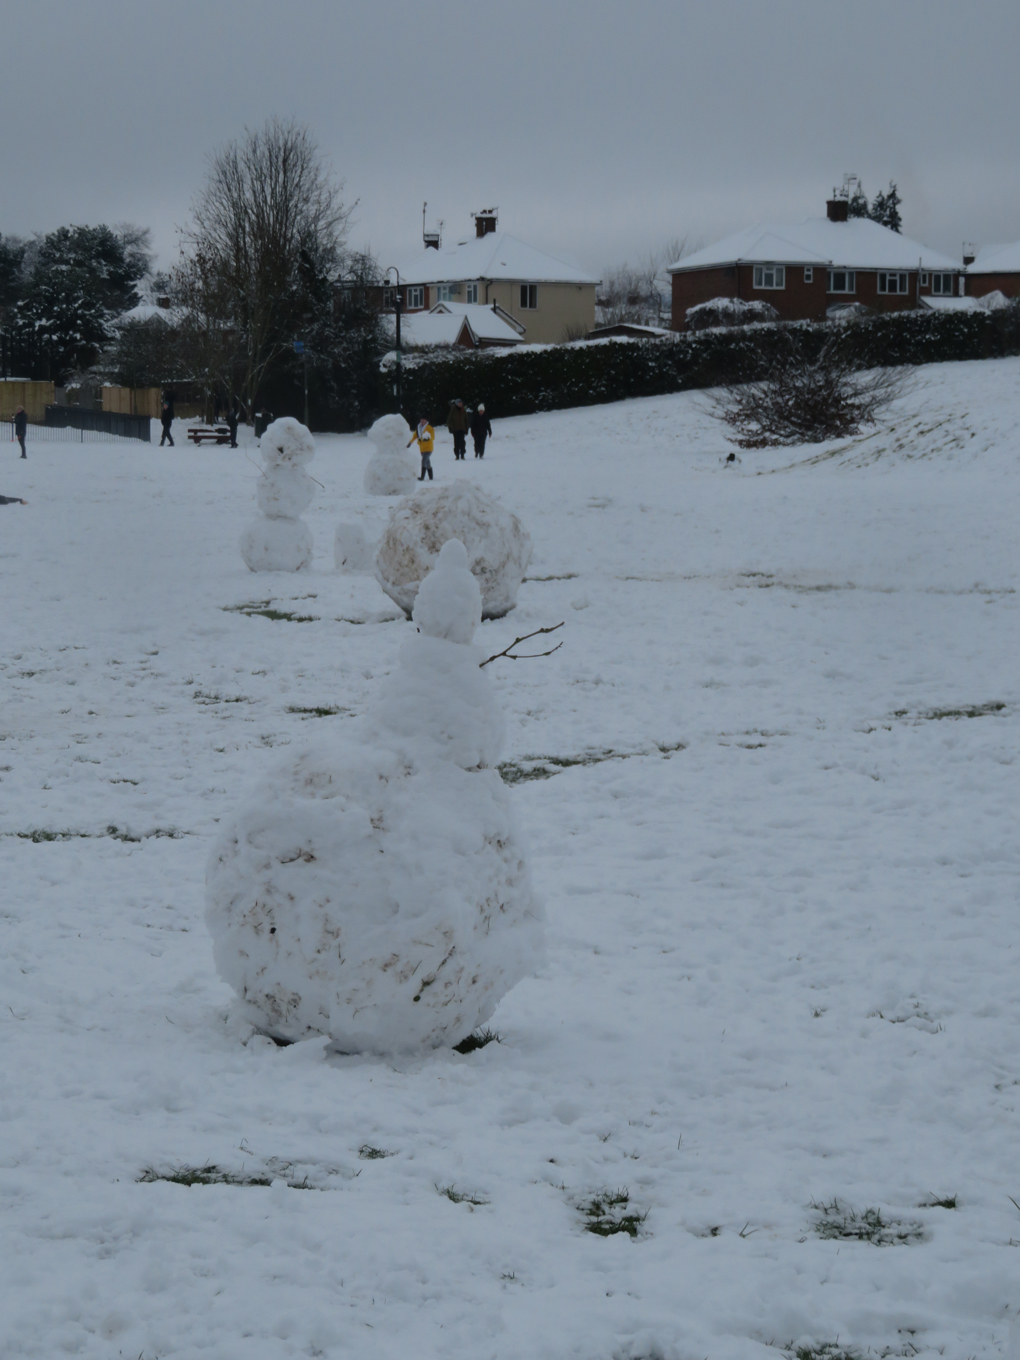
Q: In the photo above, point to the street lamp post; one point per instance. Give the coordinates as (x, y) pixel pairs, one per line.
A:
(299, 348)
(398, 384)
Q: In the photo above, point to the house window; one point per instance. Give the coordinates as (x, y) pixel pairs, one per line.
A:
(387, 299)
(809, 274)
(842, 281)
(924, 280)
(446, 292)
(415, 298)
(769, 276)
(472, 292)
(892, 283)
(942, 283)
(529, 297)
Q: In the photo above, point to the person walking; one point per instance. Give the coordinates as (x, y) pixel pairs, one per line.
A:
(481, 428)
(233, 416)
(425, 436)
(166, 419)
(21, 428)
(457, 424)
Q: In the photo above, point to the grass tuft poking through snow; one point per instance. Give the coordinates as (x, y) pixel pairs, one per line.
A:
(210, 1174)
(368, 1153)
(840, 1221)
(608, 1212)
(479, 1039)
(456, 1196)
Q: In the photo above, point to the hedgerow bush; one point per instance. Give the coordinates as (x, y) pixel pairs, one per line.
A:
(519, 382)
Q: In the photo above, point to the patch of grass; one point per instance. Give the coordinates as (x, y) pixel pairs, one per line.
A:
(318, 711)
(608, 1212)
(456, 1196)
(526, 768)
(41, 836)
(201, 696)
(264, 609)
(368, 1153)
(567, 576)
(479, 1039)
(968, 711)
(837, 1221)
(210, 1174)
(945, 1202)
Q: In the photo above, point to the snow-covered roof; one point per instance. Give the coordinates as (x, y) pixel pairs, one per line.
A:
(429, 328)
(1000, 259)
(990, 302)
(145, 312)
(857, 244)
(486, 323)
(497, 255)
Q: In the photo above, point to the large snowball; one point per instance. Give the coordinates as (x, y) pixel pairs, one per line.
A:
(287, 441)
(498, 546)
(352, 551)
(276, 545)
(391, 471)
(376, 891)
(284, 491)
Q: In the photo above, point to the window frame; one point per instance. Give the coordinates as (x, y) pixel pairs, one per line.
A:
(415, 297)
(924, 279)
(447, 292)
(809, 273)
(849, 288)
(529, 297)
(471, 292)
(777, 272)
(943, 277)
(900, 275)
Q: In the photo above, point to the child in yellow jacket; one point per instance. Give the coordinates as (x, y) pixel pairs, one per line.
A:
(425, 436)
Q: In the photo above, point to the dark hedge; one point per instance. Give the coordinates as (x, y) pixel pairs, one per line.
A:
(522, 381)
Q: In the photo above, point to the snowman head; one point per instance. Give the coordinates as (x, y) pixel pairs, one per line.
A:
(287, 442)
(390, 434)
(449, 601)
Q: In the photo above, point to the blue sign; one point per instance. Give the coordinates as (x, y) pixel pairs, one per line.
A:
(299, 347)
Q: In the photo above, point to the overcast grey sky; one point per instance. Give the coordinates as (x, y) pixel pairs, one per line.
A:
(601, 129)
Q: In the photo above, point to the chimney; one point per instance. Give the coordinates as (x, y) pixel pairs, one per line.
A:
(485, 221)
(433, 239)
(969, 253)
(837, 209)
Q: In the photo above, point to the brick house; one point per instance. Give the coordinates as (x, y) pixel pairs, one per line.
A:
(550, 299)
(994, 268)
(803, 269)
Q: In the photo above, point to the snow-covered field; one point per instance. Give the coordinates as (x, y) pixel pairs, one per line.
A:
(778, 850)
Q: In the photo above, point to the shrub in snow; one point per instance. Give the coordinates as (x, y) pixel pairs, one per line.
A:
(376, 890)
(391, 470)
(352, 551)
(498, 546)
(280, 541)
(728, 311)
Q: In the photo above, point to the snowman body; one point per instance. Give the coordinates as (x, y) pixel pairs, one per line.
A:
(280, 541)
(391, 470)
(377, 891)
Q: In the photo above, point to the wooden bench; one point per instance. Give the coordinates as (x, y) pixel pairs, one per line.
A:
(209, 434)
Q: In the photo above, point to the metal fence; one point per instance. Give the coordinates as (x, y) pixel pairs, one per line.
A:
(98, 423)
(62, 434)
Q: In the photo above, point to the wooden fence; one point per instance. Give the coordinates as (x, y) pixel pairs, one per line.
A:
(34, 396)
(132, 401)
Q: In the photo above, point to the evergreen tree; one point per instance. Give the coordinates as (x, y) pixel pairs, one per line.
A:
(885, 210)
(79, 279)
(858, 205)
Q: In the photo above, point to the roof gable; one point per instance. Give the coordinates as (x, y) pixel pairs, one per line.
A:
(998, 259)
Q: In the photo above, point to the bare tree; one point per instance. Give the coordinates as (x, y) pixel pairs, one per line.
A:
(803, 400)
(641, 296)
(266, 239)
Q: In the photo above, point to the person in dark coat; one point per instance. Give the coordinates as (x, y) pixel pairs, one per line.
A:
(166, 419)
(481, 428)
(457, 424)
(21, 428)
(233, 416)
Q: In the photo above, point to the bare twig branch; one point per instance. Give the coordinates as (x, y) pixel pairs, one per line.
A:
(526, 656)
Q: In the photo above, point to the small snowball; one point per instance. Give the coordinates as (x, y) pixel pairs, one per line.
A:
(352, 551)
(449, 600)
(498, 546)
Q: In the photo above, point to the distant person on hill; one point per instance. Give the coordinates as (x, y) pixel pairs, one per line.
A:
(457, 424)
(481, 428)
(21, 428)
(425, 436)
(166, 419)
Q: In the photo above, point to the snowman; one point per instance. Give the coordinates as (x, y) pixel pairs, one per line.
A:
(280, 541)
(391, 470)
(377, 891)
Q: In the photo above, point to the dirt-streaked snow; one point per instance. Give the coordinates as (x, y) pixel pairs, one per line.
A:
(778, 849)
